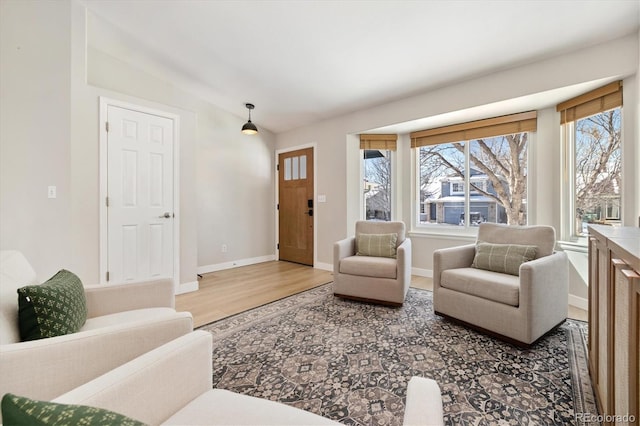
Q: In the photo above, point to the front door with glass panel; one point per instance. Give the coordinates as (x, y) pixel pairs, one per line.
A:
(296, 206)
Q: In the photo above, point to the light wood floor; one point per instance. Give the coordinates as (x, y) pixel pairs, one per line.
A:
(229, 292)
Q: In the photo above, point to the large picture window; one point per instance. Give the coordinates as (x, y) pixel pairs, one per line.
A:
(481, 177)
(592, 133)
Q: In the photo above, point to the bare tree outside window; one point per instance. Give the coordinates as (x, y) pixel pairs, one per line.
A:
(598, 166)
(497, 180)
(377, 184)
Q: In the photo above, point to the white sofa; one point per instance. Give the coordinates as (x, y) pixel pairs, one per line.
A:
(124, 321)
(172, 385)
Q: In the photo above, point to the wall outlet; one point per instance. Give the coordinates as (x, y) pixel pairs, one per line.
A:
(224, 248)
(51, 192)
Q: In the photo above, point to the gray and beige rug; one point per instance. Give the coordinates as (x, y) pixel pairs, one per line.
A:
(351, 362)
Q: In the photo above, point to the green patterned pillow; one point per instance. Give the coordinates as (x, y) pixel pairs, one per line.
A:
(379, 245)
(51, 309)
(18, 410)
(504, 258)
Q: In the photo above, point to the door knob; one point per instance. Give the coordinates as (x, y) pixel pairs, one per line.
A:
(166, 215)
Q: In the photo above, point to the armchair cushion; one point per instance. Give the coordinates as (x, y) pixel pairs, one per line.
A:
(17, 410)
(503, 258)
(54, 308)
(379, 245)
(501, 288)
(367, 266)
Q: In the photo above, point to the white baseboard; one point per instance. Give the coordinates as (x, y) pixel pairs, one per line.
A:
(324, 266)
(235, 263)
(187, 287)
(578, 302)
(422, 272)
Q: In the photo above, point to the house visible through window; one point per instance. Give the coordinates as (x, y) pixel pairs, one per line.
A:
(377, 187)
(482, 178)
(592, 134)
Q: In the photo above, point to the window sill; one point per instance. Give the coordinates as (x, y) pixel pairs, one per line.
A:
(579, 246)
(469, 235)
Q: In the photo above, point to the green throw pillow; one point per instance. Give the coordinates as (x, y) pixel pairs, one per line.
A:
(18, 410)
(504, 258)
(379, 245)
(51, 309)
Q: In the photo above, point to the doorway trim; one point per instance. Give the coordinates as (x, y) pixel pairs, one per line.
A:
(314, 146)
(105, 102)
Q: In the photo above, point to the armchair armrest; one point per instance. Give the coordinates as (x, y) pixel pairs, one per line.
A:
(46, 368)
(154, 386)
(451, 258)
(112, 298)
(544, 282)
(404, 260)
(341, 249)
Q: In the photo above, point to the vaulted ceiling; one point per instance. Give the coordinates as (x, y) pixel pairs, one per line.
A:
(305, 61)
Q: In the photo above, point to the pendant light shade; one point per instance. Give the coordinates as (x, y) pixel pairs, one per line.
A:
(249, 128)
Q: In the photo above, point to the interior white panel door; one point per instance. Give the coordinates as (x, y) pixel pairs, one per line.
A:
(140, 215)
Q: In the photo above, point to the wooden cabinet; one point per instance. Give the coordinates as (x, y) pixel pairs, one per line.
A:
(614, 321)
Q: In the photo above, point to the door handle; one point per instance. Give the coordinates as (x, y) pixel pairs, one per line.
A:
(166, 215)
(310, 212)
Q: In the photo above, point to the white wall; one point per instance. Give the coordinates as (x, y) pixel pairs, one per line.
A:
(51, 84)
(35, 150)
(337, 144)
(227, 182)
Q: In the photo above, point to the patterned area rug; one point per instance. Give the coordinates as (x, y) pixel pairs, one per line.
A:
(351, 362)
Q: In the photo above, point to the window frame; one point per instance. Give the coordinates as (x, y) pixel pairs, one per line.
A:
(467, 229)
(569, 228)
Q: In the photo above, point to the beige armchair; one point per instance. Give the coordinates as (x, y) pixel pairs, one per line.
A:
(518, 308)
(123, 322)
(360, 273)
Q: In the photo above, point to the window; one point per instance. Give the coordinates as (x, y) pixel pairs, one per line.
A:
(377, 186)
(592, 134)
(481, 177)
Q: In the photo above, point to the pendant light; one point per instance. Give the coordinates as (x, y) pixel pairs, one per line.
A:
(249, 128)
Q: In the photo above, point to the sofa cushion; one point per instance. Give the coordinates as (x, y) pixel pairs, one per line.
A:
(368, 266)
(221, 407)
(15, 272)
(54, 308)
(379, 245)
(17, 410)
(503, 258)
(501, 288)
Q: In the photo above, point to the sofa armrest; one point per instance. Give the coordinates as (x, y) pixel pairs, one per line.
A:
(46, 368)
(154, 386)
(451, 258)
(341, 249)
(404, 261)
(111, 298)
(544, 282)
(424, 403)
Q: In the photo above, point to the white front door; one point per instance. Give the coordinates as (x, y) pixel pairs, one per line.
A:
(140, 213)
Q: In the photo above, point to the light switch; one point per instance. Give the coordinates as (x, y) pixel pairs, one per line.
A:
(322, 198)
(51, 192)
